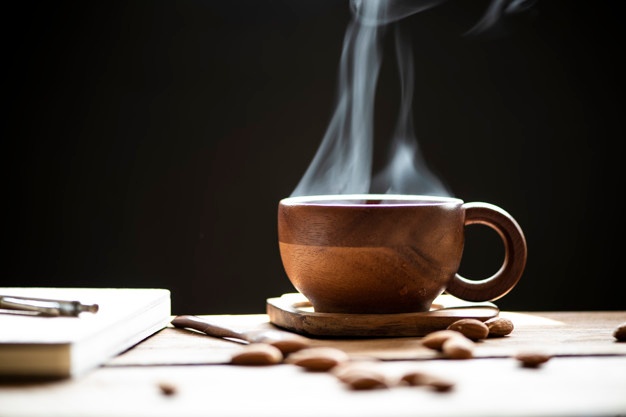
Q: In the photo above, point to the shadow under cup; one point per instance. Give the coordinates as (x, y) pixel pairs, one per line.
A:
(371, 253)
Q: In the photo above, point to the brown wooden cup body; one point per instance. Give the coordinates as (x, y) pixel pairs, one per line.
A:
(392, 257)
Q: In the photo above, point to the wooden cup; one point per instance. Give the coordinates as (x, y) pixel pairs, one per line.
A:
(371, 253)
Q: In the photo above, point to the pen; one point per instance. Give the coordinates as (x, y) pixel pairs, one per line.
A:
(46, 307)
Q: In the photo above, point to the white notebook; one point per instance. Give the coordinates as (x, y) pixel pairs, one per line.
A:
(59, 347)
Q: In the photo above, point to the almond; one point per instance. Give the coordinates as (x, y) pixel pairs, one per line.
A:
(499, 326)
(419, 378)
(440, 384)
(415, 378)
(318, 358)
(257, 354)
(473, 329)
(167, 388)
(361, 375)
(435, 339)
(362, 379)
(458, 347)
(532, 359)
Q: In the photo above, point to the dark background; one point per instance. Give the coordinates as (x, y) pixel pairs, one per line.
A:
(147, 144)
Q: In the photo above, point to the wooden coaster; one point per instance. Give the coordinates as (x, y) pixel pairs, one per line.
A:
(294, 312)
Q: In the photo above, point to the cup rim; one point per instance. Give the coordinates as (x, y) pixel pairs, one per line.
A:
(357, 200)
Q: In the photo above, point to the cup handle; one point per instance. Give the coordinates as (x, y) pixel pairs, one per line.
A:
(515, 254)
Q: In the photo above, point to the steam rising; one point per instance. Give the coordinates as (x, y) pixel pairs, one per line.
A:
(343, 162)
(406, 172)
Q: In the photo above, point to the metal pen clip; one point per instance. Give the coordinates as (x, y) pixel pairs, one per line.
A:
(45, 307)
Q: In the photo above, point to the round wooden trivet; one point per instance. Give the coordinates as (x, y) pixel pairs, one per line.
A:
(294, 312)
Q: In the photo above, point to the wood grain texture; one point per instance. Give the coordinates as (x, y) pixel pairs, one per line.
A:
(389, 254)
(286, 342)
(294, 312)
(515, 255)
(571, 334)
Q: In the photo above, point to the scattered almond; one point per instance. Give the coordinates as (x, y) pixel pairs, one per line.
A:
(620, 332)
(257, 354)
(415, 378)
(361, 376)
(343, 369)
(167, 388)
(435, 339)
(287, 343)
(532, 359)
(419, 378)
(318, 358)
(362, 379)
(440, 384)
(458, 347)
(499, 326)
(473, 329)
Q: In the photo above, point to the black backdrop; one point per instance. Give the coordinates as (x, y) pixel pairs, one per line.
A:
(146, 144)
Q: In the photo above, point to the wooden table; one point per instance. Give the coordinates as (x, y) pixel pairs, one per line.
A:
(585, 377)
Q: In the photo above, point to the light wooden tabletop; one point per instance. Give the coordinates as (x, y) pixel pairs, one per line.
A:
(586, 376)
